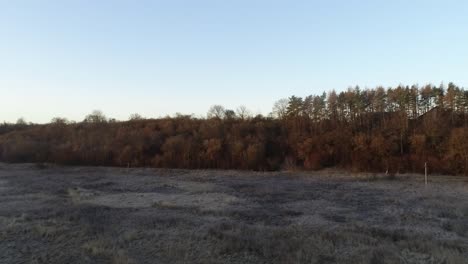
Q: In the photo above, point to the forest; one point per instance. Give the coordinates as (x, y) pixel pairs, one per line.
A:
(393, 130)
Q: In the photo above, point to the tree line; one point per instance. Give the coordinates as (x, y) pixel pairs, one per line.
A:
(395, 129)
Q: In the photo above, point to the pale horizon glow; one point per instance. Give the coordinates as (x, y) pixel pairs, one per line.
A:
(157, 58)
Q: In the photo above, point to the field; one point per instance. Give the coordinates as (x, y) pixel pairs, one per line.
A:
(52, 214)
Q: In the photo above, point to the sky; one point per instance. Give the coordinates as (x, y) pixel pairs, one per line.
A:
(69, 57)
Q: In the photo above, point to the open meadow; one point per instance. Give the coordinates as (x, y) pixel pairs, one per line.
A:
(53, 214)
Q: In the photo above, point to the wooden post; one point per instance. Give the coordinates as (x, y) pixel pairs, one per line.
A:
(425, 173)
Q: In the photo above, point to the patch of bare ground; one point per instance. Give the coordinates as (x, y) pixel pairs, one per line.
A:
(51, 214)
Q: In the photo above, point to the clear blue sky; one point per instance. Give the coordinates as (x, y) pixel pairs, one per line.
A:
(67, 58)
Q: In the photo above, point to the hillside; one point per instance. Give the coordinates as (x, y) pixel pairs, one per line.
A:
(377, 130)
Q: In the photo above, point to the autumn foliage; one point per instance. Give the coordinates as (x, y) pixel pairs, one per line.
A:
(393, 129)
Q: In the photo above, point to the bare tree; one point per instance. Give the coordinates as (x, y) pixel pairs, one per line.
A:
(243, 113)
(135, 116)
(21, 121)
(216, 111)
(59, 121)
(96, 117)
(280, 108)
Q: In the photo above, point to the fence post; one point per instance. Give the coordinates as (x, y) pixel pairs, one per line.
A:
(425, 173)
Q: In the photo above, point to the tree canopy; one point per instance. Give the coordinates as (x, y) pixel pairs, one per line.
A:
(395, 129)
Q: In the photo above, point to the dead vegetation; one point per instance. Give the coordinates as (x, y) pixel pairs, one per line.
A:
(108, 215)
(397, 130)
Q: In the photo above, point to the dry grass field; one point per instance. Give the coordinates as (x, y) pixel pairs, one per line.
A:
(51, 214)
